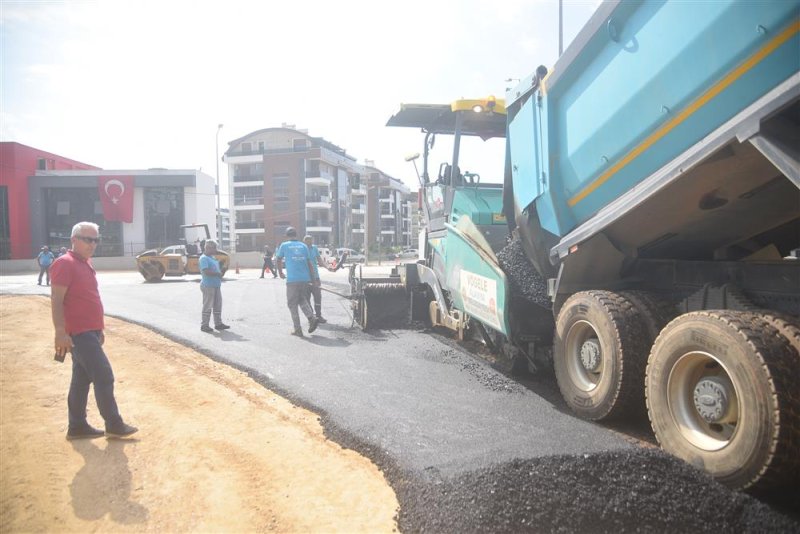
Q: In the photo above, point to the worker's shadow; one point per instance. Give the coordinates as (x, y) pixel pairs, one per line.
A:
(327, 341)
(103, 485)
(227, 335)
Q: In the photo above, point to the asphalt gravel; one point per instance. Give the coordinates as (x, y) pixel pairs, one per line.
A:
(638, 490)
(525, 281)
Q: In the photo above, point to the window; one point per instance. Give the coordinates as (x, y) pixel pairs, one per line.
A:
(248, 196)
(247, 147)
(41, 164)
(299, 145)
(163, 211)
(280, 187)
(248, 172)
(262, 146)
(66, 206)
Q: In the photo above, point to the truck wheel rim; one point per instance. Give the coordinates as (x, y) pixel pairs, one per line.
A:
(703, 401)
(584, 357)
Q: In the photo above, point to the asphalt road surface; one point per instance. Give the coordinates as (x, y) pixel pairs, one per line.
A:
(466, 448)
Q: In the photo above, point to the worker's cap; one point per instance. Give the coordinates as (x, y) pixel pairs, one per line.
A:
(45, 247)
(308, 238)
(291, 232)
(211, 243)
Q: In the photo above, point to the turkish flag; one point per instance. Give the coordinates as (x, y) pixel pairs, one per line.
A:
(116, 193)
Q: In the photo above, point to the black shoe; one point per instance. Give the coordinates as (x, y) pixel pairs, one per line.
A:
(222, 326)
(321, 319)
(312, 324)
(297, 332)
(261, 277)
(206, 328)
(87, 432)
(121, 431)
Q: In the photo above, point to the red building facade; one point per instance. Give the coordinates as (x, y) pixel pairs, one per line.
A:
(17, 163)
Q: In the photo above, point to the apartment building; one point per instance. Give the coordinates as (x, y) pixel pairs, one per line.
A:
(381, 210)
(280, 177)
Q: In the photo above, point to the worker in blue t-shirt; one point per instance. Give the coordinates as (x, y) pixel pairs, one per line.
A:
(45, 259)
(297, 257)
(315, 289)
(211, 286)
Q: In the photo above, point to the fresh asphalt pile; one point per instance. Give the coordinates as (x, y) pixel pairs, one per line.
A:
(525, 281)
(642, 490)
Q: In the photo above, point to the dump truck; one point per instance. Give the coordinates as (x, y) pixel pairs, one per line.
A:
(178, 260)
(645, 233)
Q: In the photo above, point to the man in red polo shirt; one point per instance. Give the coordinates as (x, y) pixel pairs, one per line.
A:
(78, 320)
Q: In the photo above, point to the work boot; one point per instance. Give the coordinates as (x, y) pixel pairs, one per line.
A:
(121, 430)
(87, 432)
(222, 326)
(321, 319)
(206, 328)
(312, 324)
(297, 332)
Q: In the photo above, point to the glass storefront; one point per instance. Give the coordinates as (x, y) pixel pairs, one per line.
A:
(163, 211)
(64, 207)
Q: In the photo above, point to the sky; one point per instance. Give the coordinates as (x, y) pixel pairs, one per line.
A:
(144, 84)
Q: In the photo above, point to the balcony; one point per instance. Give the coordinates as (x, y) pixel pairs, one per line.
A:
(259, 152)
(318, 201)
(249, 225)
(319, 178)
(360, 209)
(248, 202)
(248, 179)
(318, 225)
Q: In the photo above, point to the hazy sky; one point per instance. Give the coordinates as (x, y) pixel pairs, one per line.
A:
(139, 84)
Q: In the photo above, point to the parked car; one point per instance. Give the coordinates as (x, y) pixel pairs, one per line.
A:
(407, 253)
(352, 255)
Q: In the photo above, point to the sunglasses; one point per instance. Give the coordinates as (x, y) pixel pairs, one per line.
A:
(90, 240)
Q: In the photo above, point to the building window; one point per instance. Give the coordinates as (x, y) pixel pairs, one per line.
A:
(65, 206)
(164, 215)
(299, 145)
(252, 195)
(247, 147)
(280, 187)
(262, 146)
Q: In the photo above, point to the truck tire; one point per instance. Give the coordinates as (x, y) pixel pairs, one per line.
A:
(599, 355)
(788, 326)
(719, 396)
(654, 312)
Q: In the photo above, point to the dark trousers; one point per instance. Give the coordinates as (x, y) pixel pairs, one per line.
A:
(297, 296)
(316, 292)
(268, 264)
(91, 366)
(44, 269)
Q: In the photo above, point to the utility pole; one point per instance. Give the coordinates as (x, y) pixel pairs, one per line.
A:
(219, 212)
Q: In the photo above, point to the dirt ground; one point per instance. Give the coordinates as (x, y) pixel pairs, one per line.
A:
(215, 450)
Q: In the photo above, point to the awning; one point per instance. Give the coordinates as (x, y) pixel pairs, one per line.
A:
(440, 119)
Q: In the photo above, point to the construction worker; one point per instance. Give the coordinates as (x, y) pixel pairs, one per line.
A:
(298, 275)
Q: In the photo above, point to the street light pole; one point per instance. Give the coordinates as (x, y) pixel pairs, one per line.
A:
(219, 212)
(366, 224)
